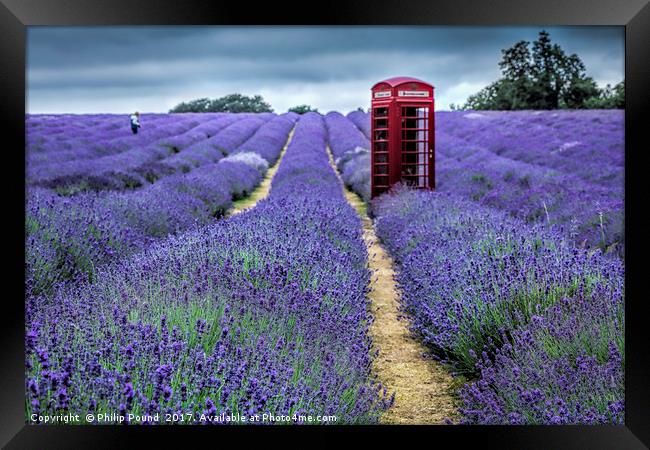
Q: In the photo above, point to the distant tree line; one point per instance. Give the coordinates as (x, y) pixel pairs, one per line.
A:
(233, 103)
(543, 77)
(302, 109)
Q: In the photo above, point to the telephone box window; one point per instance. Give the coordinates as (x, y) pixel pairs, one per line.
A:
(381, 170)
(381, 123)
(381, 146)
(381, 158)
(381, 112)
(381, 135)
(381, 181)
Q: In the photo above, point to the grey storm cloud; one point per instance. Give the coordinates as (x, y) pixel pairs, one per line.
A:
(117, 69)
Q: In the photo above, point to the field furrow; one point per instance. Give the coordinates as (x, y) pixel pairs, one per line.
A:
(262, 191)
(422, 387)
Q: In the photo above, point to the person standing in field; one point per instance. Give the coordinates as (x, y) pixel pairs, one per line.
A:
(135, 122)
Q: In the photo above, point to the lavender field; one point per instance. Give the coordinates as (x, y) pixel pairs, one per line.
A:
(144, 297)
(563, 168)
(512, 271)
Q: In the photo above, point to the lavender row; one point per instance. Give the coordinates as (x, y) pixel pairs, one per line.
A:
(585, 143)
(537, 321)
(137, 167)
(70, 237)
(591, 214)
(87, 136)
(266, 140)
(270, 138)
(79, 155)
(344, 136)
(552, 167)
(361, 120)
(264, 312)
(43, 129)
(351, 152)
(233, 128)
(588, 144)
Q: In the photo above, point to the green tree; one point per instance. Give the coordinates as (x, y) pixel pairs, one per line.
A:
(514, 91)
(541, 76)
(302, 109)
(483, 99)
(619, 95)
(240, 103)
(609, 98)
(579, 92)
(198, 105)
(233, 103)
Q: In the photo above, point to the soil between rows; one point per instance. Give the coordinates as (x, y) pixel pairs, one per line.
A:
(423, 387)
(261, 191)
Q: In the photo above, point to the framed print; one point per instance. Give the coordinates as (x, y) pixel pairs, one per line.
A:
(373, 218)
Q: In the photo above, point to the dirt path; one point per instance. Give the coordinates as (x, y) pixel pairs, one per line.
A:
(261, 191)
(422, 386)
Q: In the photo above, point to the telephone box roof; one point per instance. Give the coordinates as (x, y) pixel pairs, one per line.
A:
(396, 81)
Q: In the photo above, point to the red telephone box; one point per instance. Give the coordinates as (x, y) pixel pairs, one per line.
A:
(402, 134)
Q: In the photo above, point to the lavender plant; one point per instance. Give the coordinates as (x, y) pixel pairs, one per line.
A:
(270, 138)
(553, 167)
(351, 152)
(138, 166)
(361, 120)
(58, 245)
(566, 367)
(68, 155)
(515, 305)
(264, 312)
(162, 309)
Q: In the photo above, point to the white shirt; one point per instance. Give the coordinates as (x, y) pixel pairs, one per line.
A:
(134, 120)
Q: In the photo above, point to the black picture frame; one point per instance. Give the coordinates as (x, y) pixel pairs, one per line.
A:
(16, 15)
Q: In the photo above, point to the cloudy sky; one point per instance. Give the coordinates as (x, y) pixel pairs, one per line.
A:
(151, 69)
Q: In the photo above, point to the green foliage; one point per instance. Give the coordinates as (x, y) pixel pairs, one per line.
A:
(302, 109)
(198, 105)
(233, 103)
(609, 98)
(543, 76)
